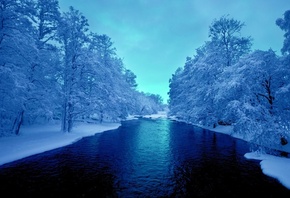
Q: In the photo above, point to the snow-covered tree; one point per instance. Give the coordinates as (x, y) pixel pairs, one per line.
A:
(17, 49)
(284, 24)
(175, 94)
(51, 67)
(73, 37)
(130, 78)
(194, 93)
(225, 35)
(255, 90)
(225, 84)
(44, 16)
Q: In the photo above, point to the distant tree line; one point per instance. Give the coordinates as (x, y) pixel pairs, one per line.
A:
(225, 83)
(52, 67)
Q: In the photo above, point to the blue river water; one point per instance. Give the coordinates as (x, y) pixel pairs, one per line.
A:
(142, 158)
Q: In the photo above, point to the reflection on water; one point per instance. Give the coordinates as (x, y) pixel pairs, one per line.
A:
(142, 158)
(147, 160)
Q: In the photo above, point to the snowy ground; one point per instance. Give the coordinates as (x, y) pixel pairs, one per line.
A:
(160, 114)
(37, 139)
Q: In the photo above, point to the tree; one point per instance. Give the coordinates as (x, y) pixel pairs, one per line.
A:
(253, 93)
(72, 35)
(17, 49)
(175, 93)
(225, 34)
(130, 78)
(45, 16)
(75, 79)
(284, 24)
(195, 92)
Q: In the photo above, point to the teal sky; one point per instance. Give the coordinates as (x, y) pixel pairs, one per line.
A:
(154, 37)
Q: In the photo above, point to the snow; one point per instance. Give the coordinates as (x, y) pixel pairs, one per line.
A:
(273, 166)
(159, 114)
(131, 117)
(39, 138)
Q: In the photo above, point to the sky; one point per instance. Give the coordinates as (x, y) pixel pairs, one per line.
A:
(154, 37)
(36, 139)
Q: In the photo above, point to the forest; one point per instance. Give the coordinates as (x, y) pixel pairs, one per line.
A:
(226, 83)
(53, 68)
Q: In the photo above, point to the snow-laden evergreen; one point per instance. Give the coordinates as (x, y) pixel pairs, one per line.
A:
(227, 84)
(52, 67)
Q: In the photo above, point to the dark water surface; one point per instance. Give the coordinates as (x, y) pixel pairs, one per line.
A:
(143, 158)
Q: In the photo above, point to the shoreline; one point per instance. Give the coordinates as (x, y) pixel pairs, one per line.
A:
(37, 139)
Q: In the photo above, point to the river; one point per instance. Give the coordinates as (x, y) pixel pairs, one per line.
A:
(142, 158)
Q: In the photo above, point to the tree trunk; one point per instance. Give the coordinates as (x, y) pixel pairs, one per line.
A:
(17, 122)
(70, 117)
(64, 117)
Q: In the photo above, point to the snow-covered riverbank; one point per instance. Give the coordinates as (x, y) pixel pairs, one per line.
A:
(40, 138)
